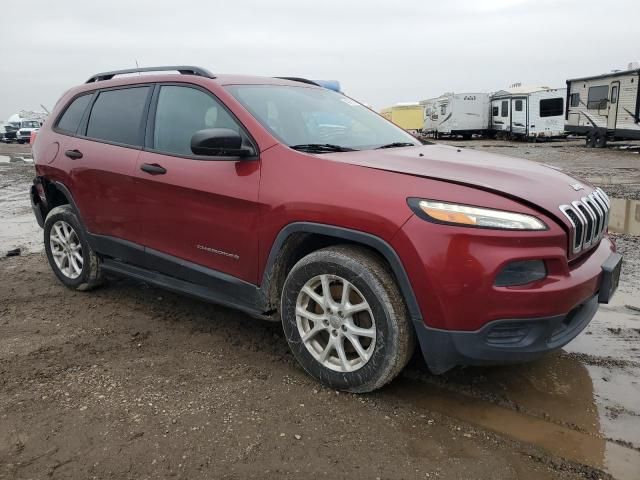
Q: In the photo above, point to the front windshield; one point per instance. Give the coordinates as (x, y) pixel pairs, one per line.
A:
(302, 116)
(30, 124)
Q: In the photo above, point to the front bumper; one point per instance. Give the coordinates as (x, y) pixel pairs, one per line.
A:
(468, 320)
(503, 341)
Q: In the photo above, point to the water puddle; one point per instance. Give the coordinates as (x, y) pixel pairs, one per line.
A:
(586, 447)
(582, 404)
(613, 179)
(19, 228)
(625, 216)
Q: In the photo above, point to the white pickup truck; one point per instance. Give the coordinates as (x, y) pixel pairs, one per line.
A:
(26, 128)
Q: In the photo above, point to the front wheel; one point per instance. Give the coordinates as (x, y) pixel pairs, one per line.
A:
(71, 257)
(345, 319)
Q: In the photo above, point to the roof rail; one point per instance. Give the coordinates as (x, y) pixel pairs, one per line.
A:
(328, 84)
(182, 69)
(301, 80)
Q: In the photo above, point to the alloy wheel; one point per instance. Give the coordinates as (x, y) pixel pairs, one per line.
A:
(335, 323)
(66, 249)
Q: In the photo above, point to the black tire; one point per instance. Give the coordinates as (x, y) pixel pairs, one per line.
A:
(600, 140)
(590, 141)
(91, 273)
(21, 142)
(395, 338)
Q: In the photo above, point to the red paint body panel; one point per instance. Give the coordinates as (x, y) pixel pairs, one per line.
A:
(456, 269)
(102, 182)
(207, 203)
(239, 207)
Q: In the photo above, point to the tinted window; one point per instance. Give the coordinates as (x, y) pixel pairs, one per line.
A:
(597, 96)
(70, 120)
(518, 105)
(181, 112)
(505, 108)
(116, 116)
(443, 109)
(574, 99)
(551, 107)
(495, 112)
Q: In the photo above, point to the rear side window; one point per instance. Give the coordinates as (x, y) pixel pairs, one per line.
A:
(71, 118)
(181, 112)
(551, 107)
(597, 97)
(505, 108)
(117, 116)
(518, 105)
(495, 111)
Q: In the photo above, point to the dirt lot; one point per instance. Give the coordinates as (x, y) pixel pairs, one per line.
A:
(134, 382)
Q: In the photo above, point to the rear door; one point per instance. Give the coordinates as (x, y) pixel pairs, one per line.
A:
(102, 159)
(200, 209)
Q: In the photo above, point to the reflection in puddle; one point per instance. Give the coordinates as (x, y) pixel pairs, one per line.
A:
(573, 405)
(552, 404)
(625, 216)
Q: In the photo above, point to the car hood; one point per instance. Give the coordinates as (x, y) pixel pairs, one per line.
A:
(531, 182)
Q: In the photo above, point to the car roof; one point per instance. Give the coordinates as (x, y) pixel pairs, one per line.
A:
(225, 79)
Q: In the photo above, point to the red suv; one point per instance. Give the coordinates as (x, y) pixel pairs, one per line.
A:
(292, 201)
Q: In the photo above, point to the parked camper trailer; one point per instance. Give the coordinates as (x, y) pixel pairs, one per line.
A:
(409, 116)
(605, 107)
(528, 112)
(430, 115)
(457, 114)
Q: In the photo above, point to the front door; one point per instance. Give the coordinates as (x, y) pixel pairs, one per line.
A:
(612, 115)
(202, 210)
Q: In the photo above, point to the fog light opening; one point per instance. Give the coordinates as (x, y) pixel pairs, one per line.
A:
(521, 272)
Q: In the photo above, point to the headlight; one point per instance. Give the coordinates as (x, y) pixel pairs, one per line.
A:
(469, 216)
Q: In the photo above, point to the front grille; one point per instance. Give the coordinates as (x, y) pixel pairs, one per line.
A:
(589, 218)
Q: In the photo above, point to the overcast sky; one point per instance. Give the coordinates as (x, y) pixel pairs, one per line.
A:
(382, 52)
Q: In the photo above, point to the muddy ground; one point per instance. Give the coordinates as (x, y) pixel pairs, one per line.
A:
(130, 381)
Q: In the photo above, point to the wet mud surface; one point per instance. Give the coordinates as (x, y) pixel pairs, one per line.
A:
(130, 381)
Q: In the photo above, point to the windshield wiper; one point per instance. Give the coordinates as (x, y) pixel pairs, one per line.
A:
(321, 147)
(396, 144)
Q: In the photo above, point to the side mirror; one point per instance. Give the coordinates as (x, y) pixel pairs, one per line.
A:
(219, 142)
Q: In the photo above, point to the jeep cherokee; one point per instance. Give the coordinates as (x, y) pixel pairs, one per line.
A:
(291, 201)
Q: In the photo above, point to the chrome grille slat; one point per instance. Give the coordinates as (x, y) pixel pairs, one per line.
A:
(589, 218)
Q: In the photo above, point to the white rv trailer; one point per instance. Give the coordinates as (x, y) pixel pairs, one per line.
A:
(457, 114)
(528, 112)
(430, 115)
(605, 107)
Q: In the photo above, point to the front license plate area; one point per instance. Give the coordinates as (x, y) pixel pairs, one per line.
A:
(610, 277)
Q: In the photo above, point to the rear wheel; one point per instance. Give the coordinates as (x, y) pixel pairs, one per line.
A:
(345, 319)
(71, 257)
(600, 140)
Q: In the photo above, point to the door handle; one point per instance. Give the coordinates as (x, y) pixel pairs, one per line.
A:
(73, 154)
(153, 169)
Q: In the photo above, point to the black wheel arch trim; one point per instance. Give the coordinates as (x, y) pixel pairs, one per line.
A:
(356, 236)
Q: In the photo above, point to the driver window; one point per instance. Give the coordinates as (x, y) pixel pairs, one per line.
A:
(180, 113)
